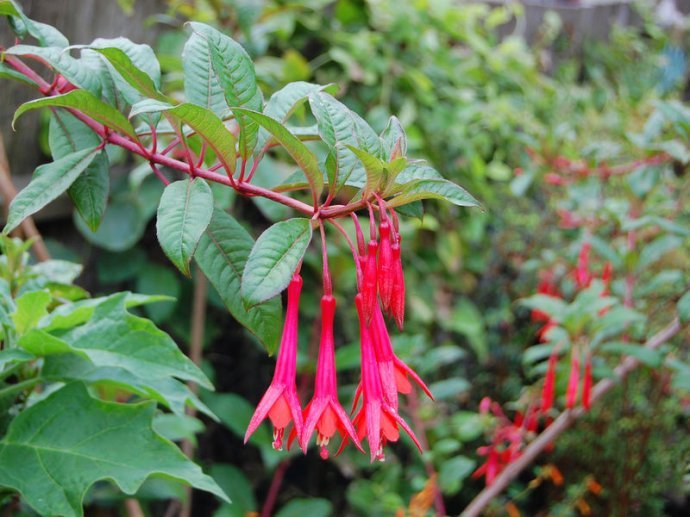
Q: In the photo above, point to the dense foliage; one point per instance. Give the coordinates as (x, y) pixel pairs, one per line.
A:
(514, 313)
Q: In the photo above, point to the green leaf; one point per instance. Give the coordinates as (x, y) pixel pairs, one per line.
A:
(650, 357)
(31, 307)
(222, 254)
(683, 307)
(656, 249)
(453, 472)
(394, 139)
(13, 355)
(46, 35)
(183, 215)
(113, 337)
(295, 148)
(85, 102)
(56, 449)
(74, 70)
(64, 366)
(274, 259)
(433, 189)
(178, 427)
(130, 72)
(285, 101)
(374, 168)
(201, 85)
(337, 130)
(9, 73)
(554, 306)
(204, 122)
(89, 192)
(234, 483)
(48, 182)
(154, 279)
(236, 75)
(313, 507)
(122, 225)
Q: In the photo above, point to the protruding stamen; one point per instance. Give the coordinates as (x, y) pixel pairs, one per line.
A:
(278, 438)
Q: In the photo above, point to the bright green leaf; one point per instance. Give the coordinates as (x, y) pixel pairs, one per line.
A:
(433, 189)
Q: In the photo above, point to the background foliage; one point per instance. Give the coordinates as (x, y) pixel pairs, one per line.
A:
(505, 119)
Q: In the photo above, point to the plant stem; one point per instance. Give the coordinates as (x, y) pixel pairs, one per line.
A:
(563, 422)
(277, 480)
(19, 387)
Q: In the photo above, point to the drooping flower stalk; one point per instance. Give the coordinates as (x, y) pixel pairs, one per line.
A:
(324, 413)
(281, 403)
(376, 419)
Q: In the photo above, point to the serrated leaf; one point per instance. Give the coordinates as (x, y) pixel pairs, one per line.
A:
(85, 102)
(69, 441)
(201, 85)
(274, 259)
(236, 75)
(74, 70)
(89, 192)
(204, 122)
(114, 338)
(295, 148)
(183, 214)
(48, 182)
(64, 366)
(222, 253)
(433, 189)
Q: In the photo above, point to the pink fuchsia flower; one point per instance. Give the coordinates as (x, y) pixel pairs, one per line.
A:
(397, 305)
(574, 379)
(583, 277)
(281, 403)
(369, 287)
(547, 394)
(324, 413)
(376, 419)
(587, 382)
(385, 269)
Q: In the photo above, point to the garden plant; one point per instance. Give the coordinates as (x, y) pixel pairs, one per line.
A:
(261, 141)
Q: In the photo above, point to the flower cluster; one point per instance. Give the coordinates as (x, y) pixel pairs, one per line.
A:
(381, 290)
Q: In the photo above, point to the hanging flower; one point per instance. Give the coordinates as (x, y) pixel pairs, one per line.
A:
(324, 413)
(281, 403)
(574, 380)
(376, 419)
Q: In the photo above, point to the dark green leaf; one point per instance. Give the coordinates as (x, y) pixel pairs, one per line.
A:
(183, 214)
(274, 259)
(48, 182)
(222, 254)
(52, 457)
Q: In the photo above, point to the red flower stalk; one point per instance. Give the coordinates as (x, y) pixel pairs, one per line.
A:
(606, 275)
(547, 393)
(385, 265)
(574, 380)
(587, 382)
(376, 419)
(397, 305)
(582, 274)
(369, 283)
(324, 413)
(280, 403)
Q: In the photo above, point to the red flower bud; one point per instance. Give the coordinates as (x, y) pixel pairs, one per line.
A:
(549, 382)
(385, 266)
(397, 306)
(574, 380)
(587, 383)
(369, 282)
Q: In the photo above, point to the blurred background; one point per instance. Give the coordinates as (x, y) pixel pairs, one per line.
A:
(528, 105)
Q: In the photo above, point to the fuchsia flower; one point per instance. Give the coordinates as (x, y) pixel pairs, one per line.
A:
(324, 413)
(280, 403)
(397, 304)
(574, 380)
(582, 275)
(376, 419)
(370, 281)
(549, 383)
(385, 266)
(587, 382)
